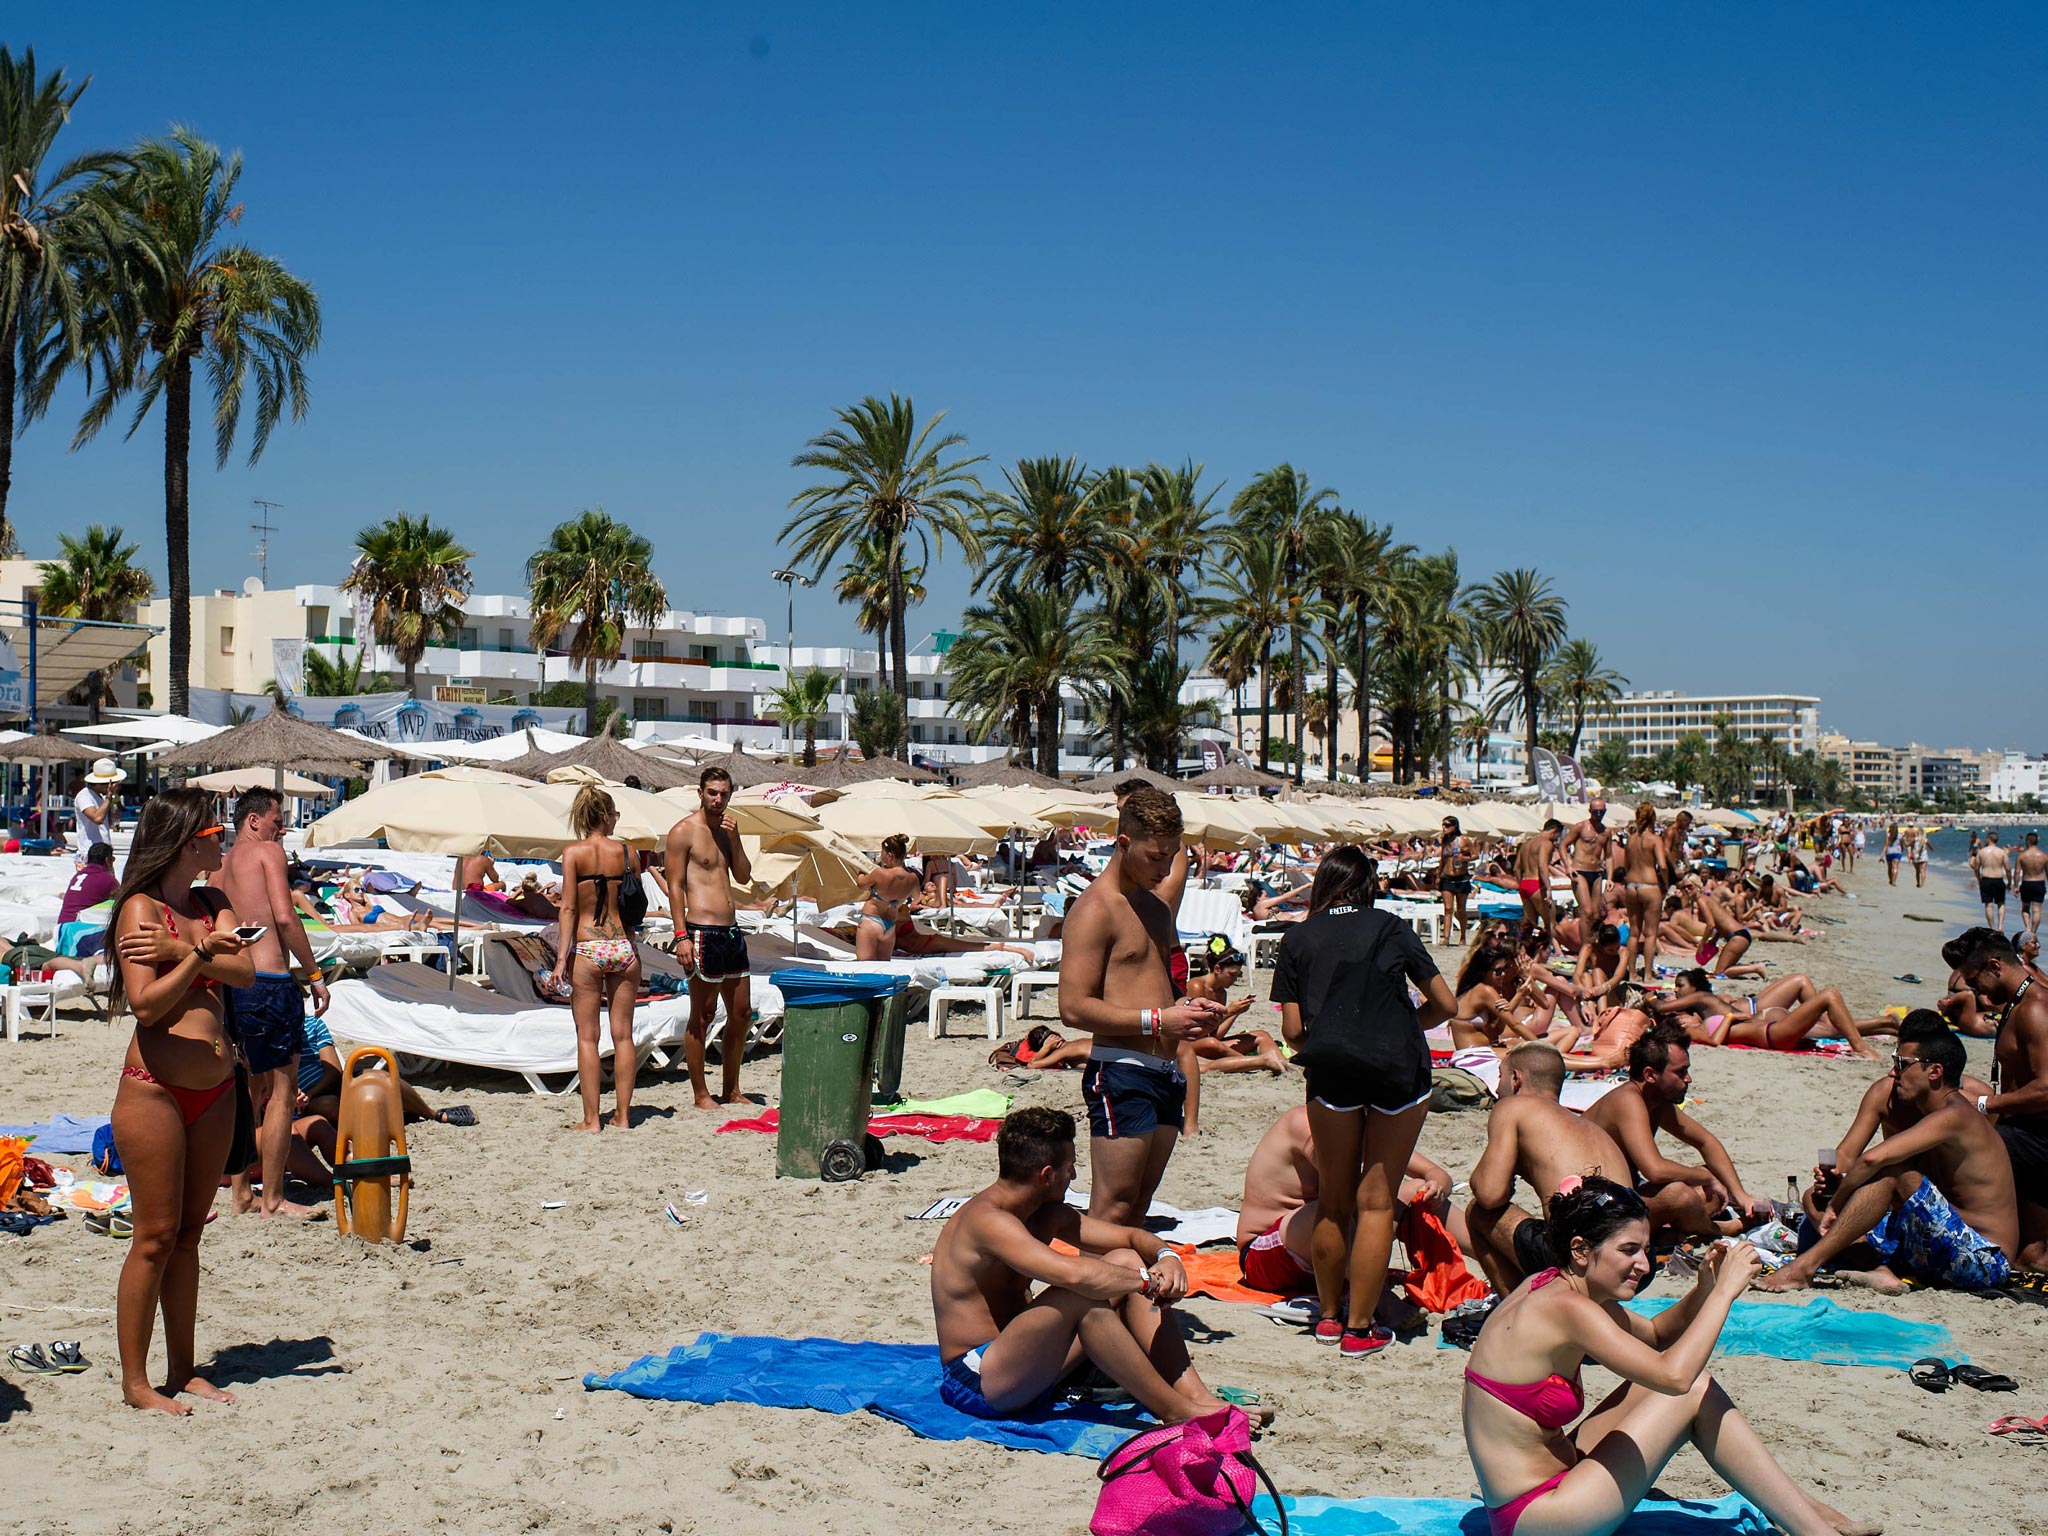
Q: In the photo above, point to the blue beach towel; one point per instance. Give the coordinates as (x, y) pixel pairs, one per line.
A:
(60, 1134)
(897, 1381)
(1730, 1516)
(1816, 1329)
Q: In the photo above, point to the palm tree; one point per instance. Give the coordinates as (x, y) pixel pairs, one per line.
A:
(1180, 533)
(416, 577)
(95, 577)
(1521, 624)
(1611, 763)
(341, 676)
(1158, 719)
(596, 574)
(887, 478)
(1014, 652)
(46, 229)
(802, 702)
(1358, 574)
(864, 582)
(1474, 730)
(1298, 519)
(1045, 530)
(1249, 593)
(178, 296)
(1576, 678)
(1233, 656)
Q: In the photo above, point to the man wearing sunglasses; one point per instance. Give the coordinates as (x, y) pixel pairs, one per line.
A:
(1587, 847)
(1935, 1200)
(2003, 982)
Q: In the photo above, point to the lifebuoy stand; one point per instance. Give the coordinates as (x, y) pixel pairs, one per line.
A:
(369, 1153)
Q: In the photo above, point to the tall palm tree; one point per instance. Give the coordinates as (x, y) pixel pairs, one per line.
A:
(593, 581)
(1438, 630)
(47, 229)
(886, 477)
(179, 297)
(1158, 718)
(1045, 530)
(416, 577)
(1233, 656)
(1014, 652)
(1521, 625)
(1578, 679)
(864, 583)
(1360, 574)
(1249, 592)
(1181, 533)
(802, 702)
(1298, 519)
(95, 577)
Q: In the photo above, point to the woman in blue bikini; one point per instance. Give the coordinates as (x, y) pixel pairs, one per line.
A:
(891, 886)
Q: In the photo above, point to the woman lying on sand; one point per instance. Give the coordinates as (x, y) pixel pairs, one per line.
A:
(1779, 1018)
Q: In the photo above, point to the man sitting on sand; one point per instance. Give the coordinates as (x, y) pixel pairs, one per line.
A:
(1680, 1196)
(1278, 1213)
(1008, 1351)
(1531, 1136)
(1936, 1199)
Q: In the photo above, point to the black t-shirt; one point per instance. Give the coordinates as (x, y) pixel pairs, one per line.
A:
(1348, 969)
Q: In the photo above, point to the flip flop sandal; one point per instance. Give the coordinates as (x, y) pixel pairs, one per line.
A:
(1932, 1374)
(65, 1355)
(457, 1114)
(2020, 1429)
(1977, 1377)
(30, 1360)
(110, 1224)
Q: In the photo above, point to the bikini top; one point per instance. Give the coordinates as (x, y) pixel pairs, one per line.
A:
(200, 983)
(603, 884)
(1552, 1402)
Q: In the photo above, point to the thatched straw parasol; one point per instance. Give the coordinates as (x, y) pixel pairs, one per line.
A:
(841, 769)
(612, 759)
(273, 741)
(1004, 773)
(1238, 776)
(747, 772)
(1106, 783)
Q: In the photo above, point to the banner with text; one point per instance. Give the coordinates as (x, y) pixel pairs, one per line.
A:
(395, 718)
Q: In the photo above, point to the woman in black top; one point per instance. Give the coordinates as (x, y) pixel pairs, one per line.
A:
(1342, 984)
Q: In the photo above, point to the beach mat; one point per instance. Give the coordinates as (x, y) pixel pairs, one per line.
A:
(899, 1382)
(1816, 1329)
(60, 1134)
(1729, 1516)
(976, 1104)
(930, 1127)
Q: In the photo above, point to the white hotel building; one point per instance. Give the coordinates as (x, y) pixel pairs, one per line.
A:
(1652, 720)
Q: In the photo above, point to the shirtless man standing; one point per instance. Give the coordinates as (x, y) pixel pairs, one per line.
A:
(1006, 1352)
(1278, 1212)
(1989, 861)
(2033, 870)
(1535, 857)
(1936, 1199)
(1116, 984)
(1531, 1136)
(1680, 1195)
(2001, 978)
(268, 1017)
(1586, 847)
(705, 859)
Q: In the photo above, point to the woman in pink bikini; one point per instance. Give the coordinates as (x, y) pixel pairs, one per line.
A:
(1522, 1392)
(1779, 1018)
(174, 1108)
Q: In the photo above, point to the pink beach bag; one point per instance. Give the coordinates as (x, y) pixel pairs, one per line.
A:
(1192, 1479)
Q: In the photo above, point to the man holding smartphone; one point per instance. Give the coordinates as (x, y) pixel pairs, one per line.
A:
(268, 1017)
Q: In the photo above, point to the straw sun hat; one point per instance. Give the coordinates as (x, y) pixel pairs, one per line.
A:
(105, 771)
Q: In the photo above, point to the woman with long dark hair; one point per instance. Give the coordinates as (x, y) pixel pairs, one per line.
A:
(1342, 983)
(174, 1109)
(594, 953)
(1541, 1477)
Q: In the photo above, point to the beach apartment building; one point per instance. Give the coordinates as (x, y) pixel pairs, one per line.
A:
(1649, 721)
(1874, 769)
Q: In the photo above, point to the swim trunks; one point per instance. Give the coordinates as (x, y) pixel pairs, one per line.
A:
(721, 951)
(268, 1018)
(2026, 1143)
(960, 1387)
(1532, 1245)
(1133, 1098)
(1269, 1265)
(2034, 891)
(1530, 888)
(1991, 892)
(1926, 1236)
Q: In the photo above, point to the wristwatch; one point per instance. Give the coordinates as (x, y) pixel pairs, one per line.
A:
(1982, 1100)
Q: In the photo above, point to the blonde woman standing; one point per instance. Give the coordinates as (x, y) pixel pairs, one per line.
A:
(594, 952)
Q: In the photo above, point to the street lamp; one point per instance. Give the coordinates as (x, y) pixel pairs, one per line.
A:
(789, 579)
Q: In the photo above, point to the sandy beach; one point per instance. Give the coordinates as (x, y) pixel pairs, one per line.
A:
(437, 1386)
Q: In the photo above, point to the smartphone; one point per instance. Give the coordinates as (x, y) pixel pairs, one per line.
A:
(250, 933)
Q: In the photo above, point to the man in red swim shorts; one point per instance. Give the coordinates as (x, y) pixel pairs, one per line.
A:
(1278, 1211)
(1536, 858)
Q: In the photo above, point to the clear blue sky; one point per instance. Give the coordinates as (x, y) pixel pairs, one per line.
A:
(1578, 286)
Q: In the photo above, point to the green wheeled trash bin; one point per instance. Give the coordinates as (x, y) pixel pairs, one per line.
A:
(834, 1031)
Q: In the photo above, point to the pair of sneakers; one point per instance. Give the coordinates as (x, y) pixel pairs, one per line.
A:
(1352, 1343)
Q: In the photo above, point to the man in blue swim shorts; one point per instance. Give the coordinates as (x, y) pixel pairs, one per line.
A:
(1936, 1200)
(1116, 983)
(1007, 1351)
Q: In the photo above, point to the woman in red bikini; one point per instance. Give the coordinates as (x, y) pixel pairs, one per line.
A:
(1522, 1391)
(174, 1111)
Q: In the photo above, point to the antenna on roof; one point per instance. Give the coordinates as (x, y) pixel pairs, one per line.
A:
(265, 528)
